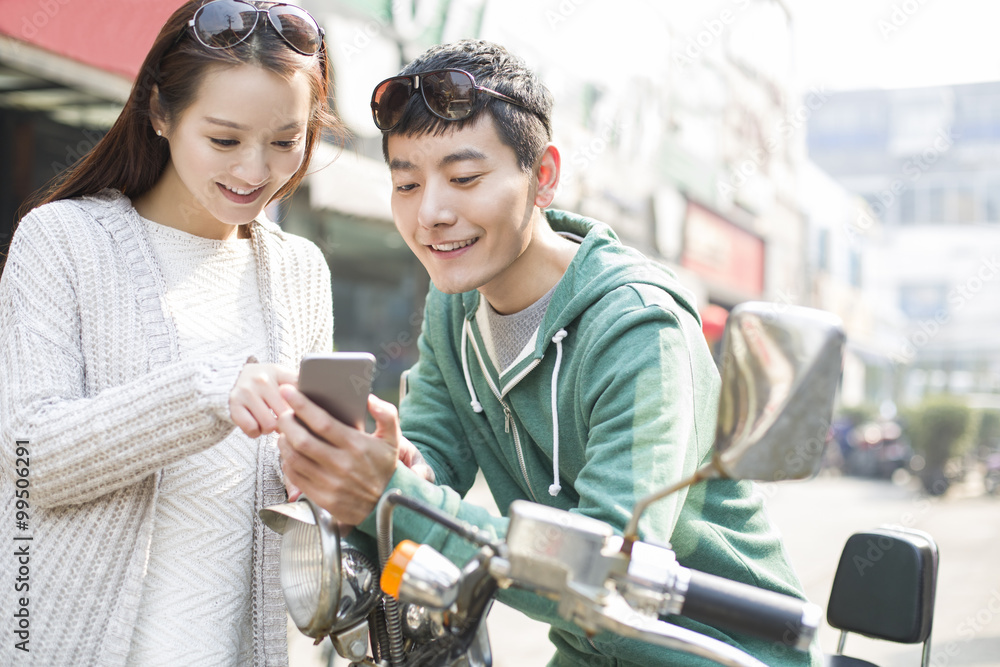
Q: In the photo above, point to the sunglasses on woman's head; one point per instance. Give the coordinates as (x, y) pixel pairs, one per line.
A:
(220, 24)
(449, 94)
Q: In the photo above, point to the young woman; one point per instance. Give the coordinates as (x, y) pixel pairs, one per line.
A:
(147, 307)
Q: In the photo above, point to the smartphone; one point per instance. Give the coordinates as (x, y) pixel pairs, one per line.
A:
(339, 383)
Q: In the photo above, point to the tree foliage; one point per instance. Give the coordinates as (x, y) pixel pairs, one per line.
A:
(937, 426)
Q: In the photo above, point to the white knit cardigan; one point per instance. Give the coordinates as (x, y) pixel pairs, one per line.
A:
(91, 378)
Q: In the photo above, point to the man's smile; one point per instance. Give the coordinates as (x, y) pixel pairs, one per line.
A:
(454, 245)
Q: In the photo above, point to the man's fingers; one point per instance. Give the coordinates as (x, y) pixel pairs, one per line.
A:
(298, 468)
(424, 471)
(386, 420)
(315, 417)
(297, 441)
(329, 485)
(338, 467)
(414, 460)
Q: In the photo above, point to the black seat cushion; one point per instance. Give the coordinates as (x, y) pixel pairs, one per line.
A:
(845, 661)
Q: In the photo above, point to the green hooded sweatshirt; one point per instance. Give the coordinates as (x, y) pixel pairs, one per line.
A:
(635, 410)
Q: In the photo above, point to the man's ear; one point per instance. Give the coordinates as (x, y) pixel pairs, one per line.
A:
(547, 175)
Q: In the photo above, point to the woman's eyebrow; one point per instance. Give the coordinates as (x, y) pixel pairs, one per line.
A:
(236, 126)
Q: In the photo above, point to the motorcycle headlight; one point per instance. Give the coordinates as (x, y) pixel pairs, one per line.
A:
(311, 576)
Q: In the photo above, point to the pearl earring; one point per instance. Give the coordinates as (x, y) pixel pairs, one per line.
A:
(159, 133)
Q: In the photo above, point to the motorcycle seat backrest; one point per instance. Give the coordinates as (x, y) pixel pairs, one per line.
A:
(885, 585)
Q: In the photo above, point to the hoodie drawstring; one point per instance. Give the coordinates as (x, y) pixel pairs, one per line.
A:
(476, 405)
(556, 488)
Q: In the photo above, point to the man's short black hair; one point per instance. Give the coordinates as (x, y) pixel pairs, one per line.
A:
(526, 130)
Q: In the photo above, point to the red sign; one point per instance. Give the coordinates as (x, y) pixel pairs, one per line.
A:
(723, 253)
(112, 35)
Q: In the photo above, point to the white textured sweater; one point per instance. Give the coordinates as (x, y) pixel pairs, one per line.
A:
(195, 607)
(93, 376)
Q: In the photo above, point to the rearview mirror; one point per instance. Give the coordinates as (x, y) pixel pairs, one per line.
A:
(780, 372)
(780, 369)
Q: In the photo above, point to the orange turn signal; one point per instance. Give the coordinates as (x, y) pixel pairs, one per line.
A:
(392, 573)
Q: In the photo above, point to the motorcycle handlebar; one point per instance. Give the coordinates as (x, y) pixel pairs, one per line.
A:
(737, 606)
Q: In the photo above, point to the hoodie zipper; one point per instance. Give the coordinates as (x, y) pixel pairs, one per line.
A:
(508, 421)
(520, 376)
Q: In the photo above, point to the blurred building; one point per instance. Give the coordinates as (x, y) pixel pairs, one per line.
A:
(836, 281)
(689, 153)
(65, 72)
(686, 135)
(927, 161)
(683, 134)
(695, 152)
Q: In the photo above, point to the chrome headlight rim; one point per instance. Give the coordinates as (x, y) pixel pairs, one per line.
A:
(305, 511)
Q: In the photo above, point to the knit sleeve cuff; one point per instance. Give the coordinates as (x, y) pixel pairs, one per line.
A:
(218, 381)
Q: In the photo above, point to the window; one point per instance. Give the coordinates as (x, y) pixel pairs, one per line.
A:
(935, 205)
(855, 268)
(963, 205)
(993, 202)
(923, 301)
(978, 117)
(823, 250)
(908, 207)
(877, 207)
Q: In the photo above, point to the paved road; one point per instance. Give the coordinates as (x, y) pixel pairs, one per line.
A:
(815, 519)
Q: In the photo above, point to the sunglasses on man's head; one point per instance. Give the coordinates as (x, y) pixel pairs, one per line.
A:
(449, 94)
(220, 24)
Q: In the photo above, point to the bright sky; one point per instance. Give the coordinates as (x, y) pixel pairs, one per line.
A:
(856, 43)
(840, 43)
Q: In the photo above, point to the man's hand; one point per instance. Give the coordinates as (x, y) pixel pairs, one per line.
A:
(255, 400)
(343, 470)
(414, 460)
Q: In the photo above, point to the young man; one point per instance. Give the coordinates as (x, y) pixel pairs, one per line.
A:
(568, 368)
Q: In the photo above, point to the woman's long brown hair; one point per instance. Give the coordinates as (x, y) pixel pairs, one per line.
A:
(131, 158)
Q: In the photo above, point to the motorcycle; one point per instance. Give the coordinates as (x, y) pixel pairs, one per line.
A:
(991, 479)
(779, 375)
